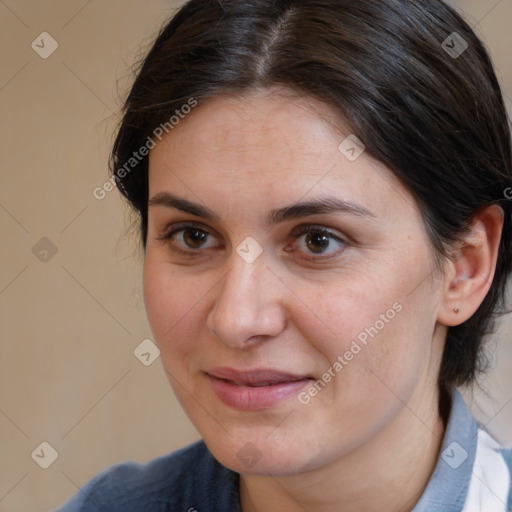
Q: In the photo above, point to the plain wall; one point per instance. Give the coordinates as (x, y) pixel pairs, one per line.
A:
(69, 325)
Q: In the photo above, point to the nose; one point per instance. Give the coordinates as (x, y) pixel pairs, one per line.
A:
(248, 307)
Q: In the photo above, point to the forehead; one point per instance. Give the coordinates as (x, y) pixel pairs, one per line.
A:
(257, 124)
(273, 144)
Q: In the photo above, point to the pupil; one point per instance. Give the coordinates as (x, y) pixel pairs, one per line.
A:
(317, 242)
(195, 238)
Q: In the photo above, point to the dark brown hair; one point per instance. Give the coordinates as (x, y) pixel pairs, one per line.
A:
(436, 118)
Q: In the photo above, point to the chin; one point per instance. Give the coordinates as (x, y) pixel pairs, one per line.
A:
(262, 457)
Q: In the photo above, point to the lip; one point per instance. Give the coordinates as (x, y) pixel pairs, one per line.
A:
(245, 389)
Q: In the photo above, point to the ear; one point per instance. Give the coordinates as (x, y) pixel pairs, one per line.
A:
(470, 271)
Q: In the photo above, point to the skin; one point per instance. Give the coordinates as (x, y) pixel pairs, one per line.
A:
(370, 439)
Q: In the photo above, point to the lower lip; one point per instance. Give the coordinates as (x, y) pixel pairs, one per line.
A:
(251, 398)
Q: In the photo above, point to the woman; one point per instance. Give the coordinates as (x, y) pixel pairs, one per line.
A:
(320, 186)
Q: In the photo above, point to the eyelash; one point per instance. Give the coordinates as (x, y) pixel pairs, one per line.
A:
(296, 233)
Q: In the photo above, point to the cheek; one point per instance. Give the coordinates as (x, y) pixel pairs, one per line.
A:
(372, 326)
(173, 301)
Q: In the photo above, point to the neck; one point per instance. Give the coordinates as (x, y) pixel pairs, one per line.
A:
(387, 474)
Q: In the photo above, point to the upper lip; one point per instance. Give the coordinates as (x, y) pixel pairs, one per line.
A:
(255, 376)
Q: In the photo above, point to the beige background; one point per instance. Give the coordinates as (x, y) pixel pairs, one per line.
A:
(68, 375)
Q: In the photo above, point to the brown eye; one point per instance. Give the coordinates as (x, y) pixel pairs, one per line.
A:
(187, 237)
(317, 242)
(194, 238)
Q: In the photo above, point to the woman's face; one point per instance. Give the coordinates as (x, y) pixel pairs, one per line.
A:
(300, 266)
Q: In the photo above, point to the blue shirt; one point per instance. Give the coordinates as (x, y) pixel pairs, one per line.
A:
(473, 473)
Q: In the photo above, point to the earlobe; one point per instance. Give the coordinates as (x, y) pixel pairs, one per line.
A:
(471, 268)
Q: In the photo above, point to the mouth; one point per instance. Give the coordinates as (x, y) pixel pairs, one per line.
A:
(255, 389)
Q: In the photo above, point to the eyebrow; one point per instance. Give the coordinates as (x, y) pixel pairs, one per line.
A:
(319, 206)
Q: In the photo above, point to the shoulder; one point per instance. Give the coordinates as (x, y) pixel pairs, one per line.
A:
(184, 478)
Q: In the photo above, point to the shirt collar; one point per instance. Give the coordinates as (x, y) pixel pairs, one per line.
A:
(448, 486)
